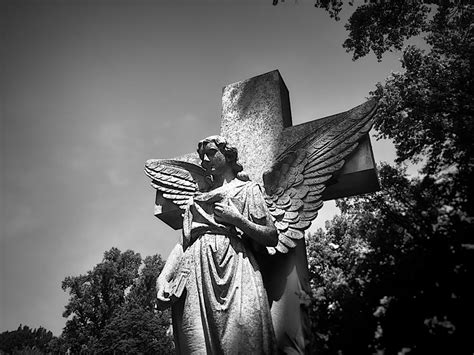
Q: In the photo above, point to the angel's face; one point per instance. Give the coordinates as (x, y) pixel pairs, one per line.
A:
(213, 160)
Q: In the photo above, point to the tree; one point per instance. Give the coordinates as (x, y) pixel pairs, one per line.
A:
(58, 345)
(426, 109)
(419, 232)
(112, 307)
(136, 330)
(391, 274)
(381, 26)
(97, 295)
(334, 261)
(143, 291)
(137, 326)
(25, 340)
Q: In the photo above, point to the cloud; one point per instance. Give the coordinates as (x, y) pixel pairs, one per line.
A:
(21, 222)
(115, 178)
(112, 134)
(189, 118)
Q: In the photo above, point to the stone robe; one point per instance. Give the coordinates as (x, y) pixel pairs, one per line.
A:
(222, 306)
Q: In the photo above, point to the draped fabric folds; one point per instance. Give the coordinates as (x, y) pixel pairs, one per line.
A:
(223, 306)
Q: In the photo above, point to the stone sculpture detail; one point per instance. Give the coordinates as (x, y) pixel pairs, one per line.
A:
(208, 316)
(296, 182)
(221, 306)
(293, 169)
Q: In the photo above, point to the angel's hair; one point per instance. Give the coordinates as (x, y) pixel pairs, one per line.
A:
(229, 151)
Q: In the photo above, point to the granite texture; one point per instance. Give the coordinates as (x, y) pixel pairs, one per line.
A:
(224, 309)
(298, 167)
(256, 118)
(253, 118)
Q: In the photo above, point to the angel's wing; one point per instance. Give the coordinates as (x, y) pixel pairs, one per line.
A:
(295, 183)
(177, 180)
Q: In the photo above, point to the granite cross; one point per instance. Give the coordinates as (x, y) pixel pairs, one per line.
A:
(256, 118)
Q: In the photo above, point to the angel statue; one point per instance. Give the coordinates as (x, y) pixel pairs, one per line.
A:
(212, 277)
(220, 303)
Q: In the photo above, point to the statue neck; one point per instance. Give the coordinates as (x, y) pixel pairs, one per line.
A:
(224, 178)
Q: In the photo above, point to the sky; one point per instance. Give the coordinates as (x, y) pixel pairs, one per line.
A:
(92, 89)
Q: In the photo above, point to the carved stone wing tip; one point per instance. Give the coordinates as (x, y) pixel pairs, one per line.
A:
(296, 182)
(177, 181)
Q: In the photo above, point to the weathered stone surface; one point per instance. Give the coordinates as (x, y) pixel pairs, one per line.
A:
(256, 119)
(254, 113)
(168, 212)
(286, 279)
(225, 306)
(357, 176)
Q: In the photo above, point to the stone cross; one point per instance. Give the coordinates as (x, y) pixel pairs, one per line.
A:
(256, 118)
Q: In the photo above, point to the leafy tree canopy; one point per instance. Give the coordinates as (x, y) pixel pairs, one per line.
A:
(427, 108)
(381, 26)
(113, 307)
(392, 274)
(25, 340)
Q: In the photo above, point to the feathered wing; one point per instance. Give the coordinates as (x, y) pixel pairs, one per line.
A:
(295, 183)
(178, 181)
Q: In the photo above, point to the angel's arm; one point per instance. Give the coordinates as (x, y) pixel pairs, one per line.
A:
(265, 234)
(172, 263)
(168, 271)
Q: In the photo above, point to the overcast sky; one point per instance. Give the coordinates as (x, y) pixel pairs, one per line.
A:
(92, 89)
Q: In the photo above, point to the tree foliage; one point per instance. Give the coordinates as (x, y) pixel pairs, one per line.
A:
(97, 296)
(334, 259)
(138, 327)
(136, 330)
(25, 340)
(392, 273)
(381, 26)
(113, 307)
(427, 109)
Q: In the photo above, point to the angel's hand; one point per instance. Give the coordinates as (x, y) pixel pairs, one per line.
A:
(162, 288)
(227, 212)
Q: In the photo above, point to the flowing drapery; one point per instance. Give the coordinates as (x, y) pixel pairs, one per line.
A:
(223, 308)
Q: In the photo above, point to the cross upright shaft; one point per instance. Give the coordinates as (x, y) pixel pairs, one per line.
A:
(254, 114)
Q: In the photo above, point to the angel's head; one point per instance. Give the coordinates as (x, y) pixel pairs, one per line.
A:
(213, 144)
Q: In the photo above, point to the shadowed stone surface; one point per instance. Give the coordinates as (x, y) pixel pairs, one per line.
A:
(256, 119)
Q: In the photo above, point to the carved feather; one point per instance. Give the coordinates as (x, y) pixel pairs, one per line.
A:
(328, 170)
(178, 181)
(281, 248)
(295, 183)
(287, 241)
(291, 216)
(294, 233)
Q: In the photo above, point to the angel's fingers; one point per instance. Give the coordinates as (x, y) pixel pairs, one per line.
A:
(163, 299)
(161, 296)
